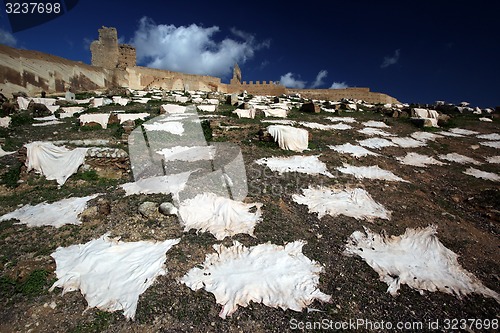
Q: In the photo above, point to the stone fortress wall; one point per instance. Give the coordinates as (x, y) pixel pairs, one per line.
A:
(114, 65)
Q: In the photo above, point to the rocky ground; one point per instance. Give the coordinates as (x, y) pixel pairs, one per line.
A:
(465, 209)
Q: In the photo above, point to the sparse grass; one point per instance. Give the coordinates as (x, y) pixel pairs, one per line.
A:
(11, 177)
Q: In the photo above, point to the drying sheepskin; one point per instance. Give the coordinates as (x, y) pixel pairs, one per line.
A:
(174, 127)
(482, 174)
(188, 154)
(445, 133)
(356, 151)
(111, 274)
(455, 157)
(54, 162)
(408, 142)
(169, 184)
(276, 276)
(373, 123)
(100, 118)
(342, 119)
(355, 203)
(218, 215)
(462, 131)
(289, 138)
(493, 144)
(425, 136)
(492, 136)
(418, 259)
(376, 143)
(55, 214)
(418, 160)
(370, 172)
(493, 159)
(325, 127)
(303, 164)
(374, 131)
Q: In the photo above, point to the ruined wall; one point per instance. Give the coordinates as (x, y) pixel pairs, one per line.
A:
(337, 94)
(32, 72)
(105, 51)
(126, 56)
(144, 78)
(265, 88)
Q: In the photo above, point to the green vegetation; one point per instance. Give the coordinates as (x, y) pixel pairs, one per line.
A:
(102, 320)
(11, 177)
(21, 118)
(35, 284)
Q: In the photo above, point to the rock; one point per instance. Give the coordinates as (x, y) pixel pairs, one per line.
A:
(424, 122)
(39, 110)
(168, 208)
(148, 208)
(443, 119)
(8, 108)
(89, 213)
(310, 107)
(233, 99)
(103, 207)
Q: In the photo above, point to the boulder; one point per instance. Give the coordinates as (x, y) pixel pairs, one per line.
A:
(148, 209)
(168, 208)
(310, 107)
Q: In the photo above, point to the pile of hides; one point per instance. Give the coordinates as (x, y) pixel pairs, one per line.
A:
(418, 259)
(277, 276)
(418, 160)
(303, 164)
(356, 151)
(289, 138)
(355, 203)
(370, 172)
(54, 162)
(55, 214)
(111, 274)
(482, 174)
(218, 215)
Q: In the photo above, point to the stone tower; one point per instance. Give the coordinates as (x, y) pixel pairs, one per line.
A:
(107, 53)
(236, 75)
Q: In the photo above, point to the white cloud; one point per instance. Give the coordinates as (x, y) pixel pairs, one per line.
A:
(192, 49)
(7, 38)
(390, 60)
(290, 82)
(339, 85)
(319, 79)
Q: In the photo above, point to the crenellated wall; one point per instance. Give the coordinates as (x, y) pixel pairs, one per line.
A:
(351, 93)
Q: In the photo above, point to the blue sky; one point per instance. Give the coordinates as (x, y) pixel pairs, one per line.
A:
(419, 51)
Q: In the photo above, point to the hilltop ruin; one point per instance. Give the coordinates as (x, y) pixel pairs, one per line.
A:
(114, 64)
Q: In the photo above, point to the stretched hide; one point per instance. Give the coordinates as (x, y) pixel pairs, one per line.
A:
(277, 276)
(289, 138)
(418, 259)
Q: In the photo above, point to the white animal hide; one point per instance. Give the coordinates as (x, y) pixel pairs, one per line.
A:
(172, 108)
(245, 113)
(280, 113)
(454, 157)
(304, 164)
(289, 138)
(489, 120)
(123, 117)
(188, 154)
(425, 136)
(5, 121)
(276, 276)
(325, 127)
(482, 174)
(445, 133)
(174, 127)
(418, 160)
(374, 131)
(169, 184)
(462, 131)
(218, 215)
(54, 162)
(355, 203)
(370, 172)
(373, 123)
(493, 159)
(55, 214)
(356, 151)
(493, 144)
(408, 142)
(100, 118)
(279, 121)
(111, 274)
(342, 119)
(491, 136)
(376, 143)
(418, 259)
(3, 152)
